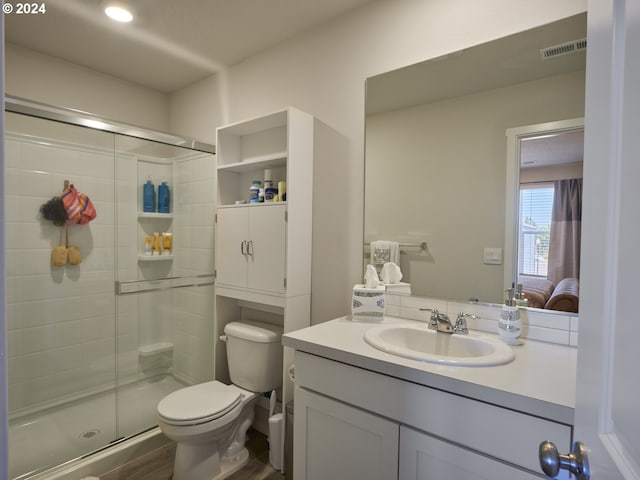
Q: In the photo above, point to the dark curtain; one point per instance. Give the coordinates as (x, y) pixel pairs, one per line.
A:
(566, 220)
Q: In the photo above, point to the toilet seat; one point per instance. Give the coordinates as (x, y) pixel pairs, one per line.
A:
(199, 403)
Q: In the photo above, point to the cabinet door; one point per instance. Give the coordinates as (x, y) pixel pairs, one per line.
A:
(231, 232)
(267, 248)
(423, 457)
(335, 440)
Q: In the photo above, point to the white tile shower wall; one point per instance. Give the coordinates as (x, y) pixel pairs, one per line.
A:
(553, 327)
(60, 319)
(194, 204)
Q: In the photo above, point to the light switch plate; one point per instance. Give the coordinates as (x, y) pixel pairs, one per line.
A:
(493, 256)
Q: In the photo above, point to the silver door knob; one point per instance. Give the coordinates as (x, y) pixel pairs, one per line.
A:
(576, 462)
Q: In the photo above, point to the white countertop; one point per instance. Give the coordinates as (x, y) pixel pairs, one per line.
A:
(540, 381)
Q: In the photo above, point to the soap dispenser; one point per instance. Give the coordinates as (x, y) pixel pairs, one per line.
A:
(509, 324)
(521, 301)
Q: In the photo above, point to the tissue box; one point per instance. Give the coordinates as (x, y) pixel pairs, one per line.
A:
(400, 287)
(368, 303)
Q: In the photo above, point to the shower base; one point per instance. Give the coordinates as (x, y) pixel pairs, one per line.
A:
(72, 430)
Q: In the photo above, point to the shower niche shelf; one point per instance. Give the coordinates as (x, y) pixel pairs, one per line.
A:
(154, 216)
(150, 223)
(154, 258)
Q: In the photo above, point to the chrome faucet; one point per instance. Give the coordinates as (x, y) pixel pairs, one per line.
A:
(441, 323)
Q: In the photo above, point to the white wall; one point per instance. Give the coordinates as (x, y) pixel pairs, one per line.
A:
(323, 72)
(50, 80)
(198, 109)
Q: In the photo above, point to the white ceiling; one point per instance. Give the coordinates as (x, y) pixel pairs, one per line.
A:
(566, 148)
(171, 43)
(506, 61)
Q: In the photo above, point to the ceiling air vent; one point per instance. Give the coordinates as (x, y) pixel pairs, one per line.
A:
(563, 49)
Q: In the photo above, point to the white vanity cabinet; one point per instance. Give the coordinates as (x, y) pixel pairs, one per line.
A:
(251, 247)
(344, 414)
(341, 441)
(424, 457)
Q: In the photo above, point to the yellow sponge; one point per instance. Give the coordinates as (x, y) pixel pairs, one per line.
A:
(59, 256)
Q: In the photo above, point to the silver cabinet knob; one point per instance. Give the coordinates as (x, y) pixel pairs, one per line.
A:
(576, 462)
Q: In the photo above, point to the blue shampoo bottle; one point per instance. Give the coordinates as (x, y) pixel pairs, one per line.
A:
(149, 197)
(163, 198)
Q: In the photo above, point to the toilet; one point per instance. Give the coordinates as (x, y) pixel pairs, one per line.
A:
(209, 421)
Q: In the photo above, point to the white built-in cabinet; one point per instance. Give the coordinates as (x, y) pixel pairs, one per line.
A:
(355, 423)
(252, 242)
(263, 251)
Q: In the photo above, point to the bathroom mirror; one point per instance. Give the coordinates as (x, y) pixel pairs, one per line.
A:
(436, 155)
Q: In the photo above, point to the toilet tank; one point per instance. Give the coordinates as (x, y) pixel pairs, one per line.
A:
(254, 354)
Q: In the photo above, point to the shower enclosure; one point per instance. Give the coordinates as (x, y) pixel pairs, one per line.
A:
(94, 346)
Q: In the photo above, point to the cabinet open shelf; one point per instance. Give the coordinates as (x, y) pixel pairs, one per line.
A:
(278, 159)
(154, 258)
(261, 204)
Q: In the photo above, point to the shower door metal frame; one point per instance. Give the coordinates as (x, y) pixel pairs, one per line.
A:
(89, 120)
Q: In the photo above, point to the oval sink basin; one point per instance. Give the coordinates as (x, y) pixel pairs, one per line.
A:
(417, 342)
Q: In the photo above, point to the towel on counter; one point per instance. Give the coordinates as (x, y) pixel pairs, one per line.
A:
(384, 251)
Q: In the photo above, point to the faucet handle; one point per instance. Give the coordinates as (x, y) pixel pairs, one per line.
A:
(433, 319)
(461, 323)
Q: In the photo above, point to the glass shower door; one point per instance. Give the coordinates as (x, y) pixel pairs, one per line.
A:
(164, 295)
(87, 367)
(61, 318)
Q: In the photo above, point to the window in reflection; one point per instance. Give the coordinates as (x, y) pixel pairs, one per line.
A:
(536, 201)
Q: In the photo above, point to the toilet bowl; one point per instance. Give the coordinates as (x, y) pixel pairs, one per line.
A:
(209, 421)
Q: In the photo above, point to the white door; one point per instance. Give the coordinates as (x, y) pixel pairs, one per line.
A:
(608, 383)
(267, 248)
(231, 246)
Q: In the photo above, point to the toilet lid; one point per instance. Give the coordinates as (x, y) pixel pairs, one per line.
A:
(199, 403)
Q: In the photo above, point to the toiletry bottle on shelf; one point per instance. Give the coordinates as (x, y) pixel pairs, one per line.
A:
(149, 197)
(148, 246)
(155, 249)
(509, 324)
(163, 197)
(282, 191)
(270, 192)
(254, 191)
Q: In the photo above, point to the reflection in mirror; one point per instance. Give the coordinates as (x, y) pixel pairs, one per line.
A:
(548, 198)
(436, 156)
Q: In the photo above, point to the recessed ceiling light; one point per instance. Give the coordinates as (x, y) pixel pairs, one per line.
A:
(118, 12)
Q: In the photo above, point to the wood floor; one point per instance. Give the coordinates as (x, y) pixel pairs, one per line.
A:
(158, 465)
